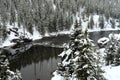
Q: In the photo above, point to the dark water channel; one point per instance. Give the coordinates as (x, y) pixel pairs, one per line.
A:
(39, 62)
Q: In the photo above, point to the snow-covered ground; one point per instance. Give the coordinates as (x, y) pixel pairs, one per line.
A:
(57, 76)
(7, 42)
(112, 72)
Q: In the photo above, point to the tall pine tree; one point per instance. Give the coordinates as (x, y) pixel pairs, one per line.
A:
(78, 61)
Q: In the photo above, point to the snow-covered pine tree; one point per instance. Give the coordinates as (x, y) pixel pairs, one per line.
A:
(101, 22)
(91, 22)
(117, 57)
(112, 51)
(78, 61)
(5, 72)
(112, 21)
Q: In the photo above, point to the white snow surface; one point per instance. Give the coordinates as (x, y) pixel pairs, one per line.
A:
(57, 33)
(7, 42)
(103, 40)
(57, 76)
(115, 36)
(36, 34)
(112, 73)
(68, 52)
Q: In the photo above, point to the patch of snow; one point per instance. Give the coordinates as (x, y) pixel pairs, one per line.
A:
(115, 36)
(103, 40)
(57, 33)
(100, 55)
(47, 35)
(7, 43)
(96, 18)
(84, 25)
(112, 73)
(36, 34)
(21, 29)
(62, 54)
(57, 76)
(54, 6)
(76, 59)
(68, 52)
(77, 53)
(101, 51)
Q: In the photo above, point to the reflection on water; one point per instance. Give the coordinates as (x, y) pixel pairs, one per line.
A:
(37, 63)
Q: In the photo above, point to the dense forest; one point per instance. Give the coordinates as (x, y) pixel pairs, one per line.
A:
(54, 16)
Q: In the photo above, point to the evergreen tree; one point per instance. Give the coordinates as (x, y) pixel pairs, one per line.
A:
(80, 22)
(91, 22)
(101, 22)
(4, 32)
(112, 23)
(117, 57)
(5, 72)
(112, 51)
(77, 25)
(78, 61)
(30, 28)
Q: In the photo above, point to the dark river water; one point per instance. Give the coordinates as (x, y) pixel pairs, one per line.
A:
(39, 62)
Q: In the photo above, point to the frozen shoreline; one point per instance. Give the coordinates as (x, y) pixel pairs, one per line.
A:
(37, 36)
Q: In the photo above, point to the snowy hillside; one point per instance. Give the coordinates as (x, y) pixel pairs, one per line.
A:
(92, 23)
(46, 17)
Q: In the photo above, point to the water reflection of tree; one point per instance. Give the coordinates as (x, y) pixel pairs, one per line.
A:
(34, 55)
